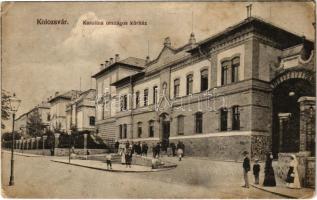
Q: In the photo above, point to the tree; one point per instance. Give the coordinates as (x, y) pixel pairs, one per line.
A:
(5, 107)
(35, 126)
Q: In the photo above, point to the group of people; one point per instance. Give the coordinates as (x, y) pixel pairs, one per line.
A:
(292, 180)
(171, 149)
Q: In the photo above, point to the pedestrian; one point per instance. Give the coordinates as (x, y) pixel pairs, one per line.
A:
(145, 149)
(127, 144)
(116, 146)
(138, 148)
(180, 154)
(269, 177)
(246, 169)
(292, 180)
(158, 149)
(122, 154)
(108, 160)
(128, 157)
(256, 171)
(154, 150)
(173, 146)
(183, 148)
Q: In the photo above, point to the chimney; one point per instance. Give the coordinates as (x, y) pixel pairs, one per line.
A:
(111, 61)
(192, 39)
(167, 42)
(117, 58)
(147, 60)
(101, 66)
(107, 63)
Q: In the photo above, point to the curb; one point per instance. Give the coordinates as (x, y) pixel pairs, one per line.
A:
(113, 170)
(283, 195)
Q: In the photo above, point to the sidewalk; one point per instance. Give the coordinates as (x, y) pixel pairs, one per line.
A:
(282, 190)
(101, 165)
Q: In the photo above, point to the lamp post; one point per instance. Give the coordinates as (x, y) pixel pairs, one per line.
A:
(69, 143)
(14, 105)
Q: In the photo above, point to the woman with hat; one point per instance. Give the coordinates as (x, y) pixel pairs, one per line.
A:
(292, 175)
(269, 177)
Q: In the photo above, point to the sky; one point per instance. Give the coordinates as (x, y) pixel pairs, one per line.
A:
(38, 60)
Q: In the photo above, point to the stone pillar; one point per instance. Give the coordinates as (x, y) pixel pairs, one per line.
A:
(37, 142)
(43, 145)
(85, 144)
(56, 139)
(33, 143)
(307, 122)
(283, 117)
(229, 119)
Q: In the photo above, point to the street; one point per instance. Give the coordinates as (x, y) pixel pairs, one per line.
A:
(38, 177)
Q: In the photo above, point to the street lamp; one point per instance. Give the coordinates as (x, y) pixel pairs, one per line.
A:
(14, 105)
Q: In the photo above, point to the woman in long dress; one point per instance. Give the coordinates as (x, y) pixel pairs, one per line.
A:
(122, 153)
(269, 177)
(292, 175)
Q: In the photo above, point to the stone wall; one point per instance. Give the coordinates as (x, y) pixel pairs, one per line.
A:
(65, 151)
(46, 152)
(261, 144)
(310, 172)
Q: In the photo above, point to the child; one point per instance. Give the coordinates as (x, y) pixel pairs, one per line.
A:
(108, 158)
(256, 171)
(180, 154)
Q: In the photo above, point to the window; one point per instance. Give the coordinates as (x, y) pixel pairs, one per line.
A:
(139, 129)
(155, 94)
(225, 72)
(92, 121)
(223, 119)
(180, 125)
(189, 86)
(235, 69)
(176, 88)
(199, 122)
(123, 102)
(48, 117)
(204, 80)
(235, 118)
(137, 99)
(120, 131)
(146, 95)
(151, 128)
(125, 130)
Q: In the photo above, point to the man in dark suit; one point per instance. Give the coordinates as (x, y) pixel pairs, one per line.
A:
(246, 168)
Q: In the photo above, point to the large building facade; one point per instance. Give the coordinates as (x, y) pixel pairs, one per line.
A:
(249, 88)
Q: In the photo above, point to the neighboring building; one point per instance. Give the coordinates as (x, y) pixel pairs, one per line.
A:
(43, 109)
(58, 109)
(106, 96)
(80, 112)
(20, 124)
(223, 95)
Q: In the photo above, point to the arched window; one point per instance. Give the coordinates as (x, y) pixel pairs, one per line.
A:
(199, 122)
(125, 131)
(235, 118)
(176, 87)
(235, 69)
(189, 84)
(120, 131)
(92, 121)
(146, 97)
(151, 128)
(180, 125)
(137, 99)
(155, 91)
(225, 72)
(139, 129)
(204, 80)
(223, 119)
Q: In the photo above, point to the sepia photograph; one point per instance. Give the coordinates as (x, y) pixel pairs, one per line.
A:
(158, 100)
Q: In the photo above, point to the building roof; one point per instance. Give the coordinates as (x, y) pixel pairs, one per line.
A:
(131, 62)
(285, 37)
(67, 95)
